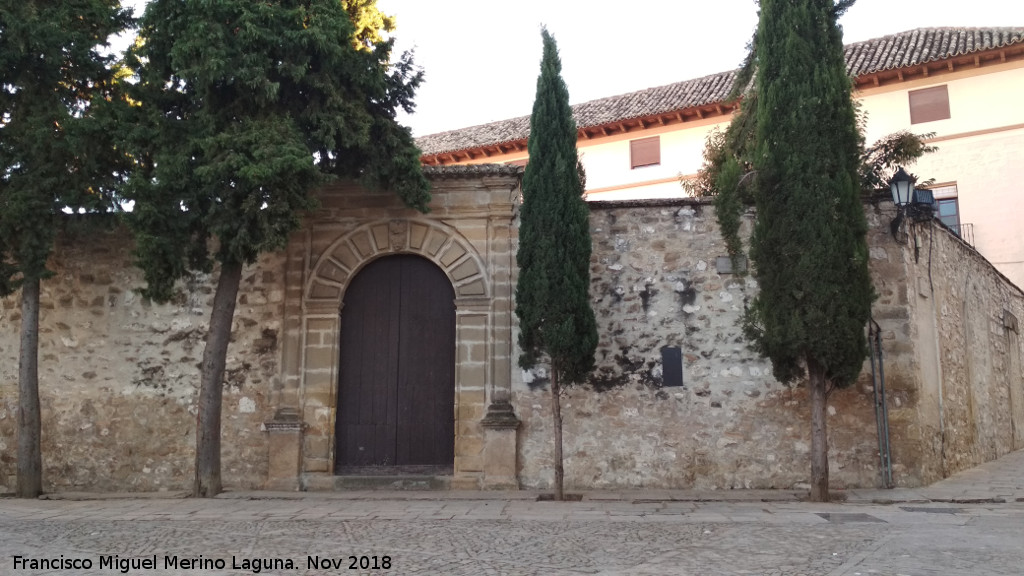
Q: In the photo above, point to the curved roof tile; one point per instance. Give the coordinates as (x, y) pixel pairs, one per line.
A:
(911, 48)
(470, 170)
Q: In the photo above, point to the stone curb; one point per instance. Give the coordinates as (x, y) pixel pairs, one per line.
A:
(78, 496)
(876, 497)
(634, 497)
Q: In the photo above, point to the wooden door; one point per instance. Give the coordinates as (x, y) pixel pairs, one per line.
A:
(396, 378)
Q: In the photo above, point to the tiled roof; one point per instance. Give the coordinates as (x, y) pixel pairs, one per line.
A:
(925, 45)
(906, 49)
(637, 104)
(471, 170)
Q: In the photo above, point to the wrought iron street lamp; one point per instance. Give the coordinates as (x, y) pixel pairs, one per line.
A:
(918, 205)
(902, 186)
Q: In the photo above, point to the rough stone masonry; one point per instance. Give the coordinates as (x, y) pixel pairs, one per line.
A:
(119, 374)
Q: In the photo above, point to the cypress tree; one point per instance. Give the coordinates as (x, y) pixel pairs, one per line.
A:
(245, 109)
(54, 154)
(552, 293)
(732, 177)
(809, 244)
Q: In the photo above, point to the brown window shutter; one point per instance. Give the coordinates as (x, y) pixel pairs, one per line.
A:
(645, 152)
(929, 104)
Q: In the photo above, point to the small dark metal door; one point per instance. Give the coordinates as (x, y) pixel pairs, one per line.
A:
(396, 378)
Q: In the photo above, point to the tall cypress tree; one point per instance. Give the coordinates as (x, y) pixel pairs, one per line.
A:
(552, 294)
(53, 155)
(809, 242)
(731, 176)
(246, 108)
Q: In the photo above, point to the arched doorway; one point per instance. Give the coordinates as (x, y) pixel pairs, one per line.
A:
(396, 374)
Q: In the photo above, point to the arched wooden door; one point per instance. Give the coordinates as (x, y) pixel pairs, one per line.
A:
(396, 377)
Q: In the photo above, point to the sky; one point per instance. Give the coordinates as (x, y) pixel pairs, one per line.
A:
(481, 59)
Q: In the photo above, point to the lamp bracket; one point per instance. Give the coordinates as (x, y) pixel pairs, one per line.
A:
(896, 223)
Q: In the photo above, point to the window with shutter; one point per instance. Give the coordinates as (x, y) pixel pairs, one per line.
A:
(929, 104)
(645, 152)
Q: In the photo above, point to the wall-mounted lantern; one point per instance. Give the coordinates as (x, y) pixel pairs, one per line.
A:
(902, 186)
(918, 205)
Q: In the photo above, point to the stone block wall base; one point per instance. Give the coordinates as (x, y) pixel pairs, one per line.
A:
(317, 482)
(465, 483)
(500, 426)
(282, 485)
(496, 483)
(284, 451)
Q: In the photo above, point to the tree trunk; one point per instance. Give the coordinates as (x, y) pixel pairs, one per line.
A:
(30, 455)
(819, 433)
(556, 413)
(208, 482)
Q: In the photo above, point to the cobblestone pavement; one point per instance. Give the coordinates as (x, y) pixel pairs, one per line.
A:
(509, 536)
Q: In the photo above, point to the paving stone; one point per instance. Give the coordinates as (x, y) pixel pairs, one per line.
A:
(838, 518)
(472, 533)
(518, 537)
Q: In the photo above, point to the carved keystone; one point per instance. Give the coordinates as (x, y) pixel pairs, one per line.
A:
(399, 232)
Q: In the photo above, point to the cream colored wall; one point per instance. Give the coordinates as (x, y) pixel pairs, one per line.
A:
(606, 160)
(979, 146)
(609, 176)
(979, 149)
(989, 175)
(979, 99)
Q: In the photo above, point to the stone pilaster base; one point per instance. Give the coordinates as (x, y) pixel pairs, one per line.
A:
(500, 425)
(284, 450)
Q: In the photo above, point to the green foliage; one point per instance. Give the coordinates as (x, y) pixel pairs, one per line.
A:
(880, 161)
(244, 109)
(726, 175)
(55, 148)
(808, 246)
(729, 208)
(729, 178)
(552, 293)
(368, 22)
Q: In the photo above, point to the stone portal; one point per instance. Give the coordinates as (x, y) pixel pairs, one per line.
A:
(467, 239)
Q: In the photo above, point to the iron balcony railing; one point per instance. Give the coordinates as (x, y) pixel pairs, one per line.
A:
(964, 231)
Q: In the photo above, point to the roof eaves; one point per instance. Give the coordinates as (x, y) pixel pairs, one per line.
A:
(893, 52)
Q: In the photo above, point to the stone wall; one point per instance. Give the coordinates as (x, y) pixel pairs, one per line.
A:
(730, 425)
(949, 321)
(955, 386)
(118, 376)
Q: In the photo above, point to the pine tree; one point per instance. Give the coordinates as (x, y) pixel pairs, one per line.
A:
(552, 294)
(245, 109)
(53, 155)
(809, 244)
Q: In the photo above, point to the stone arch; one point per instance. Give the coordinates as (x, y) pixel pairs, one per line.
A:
(469, 236)
(434, 241)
